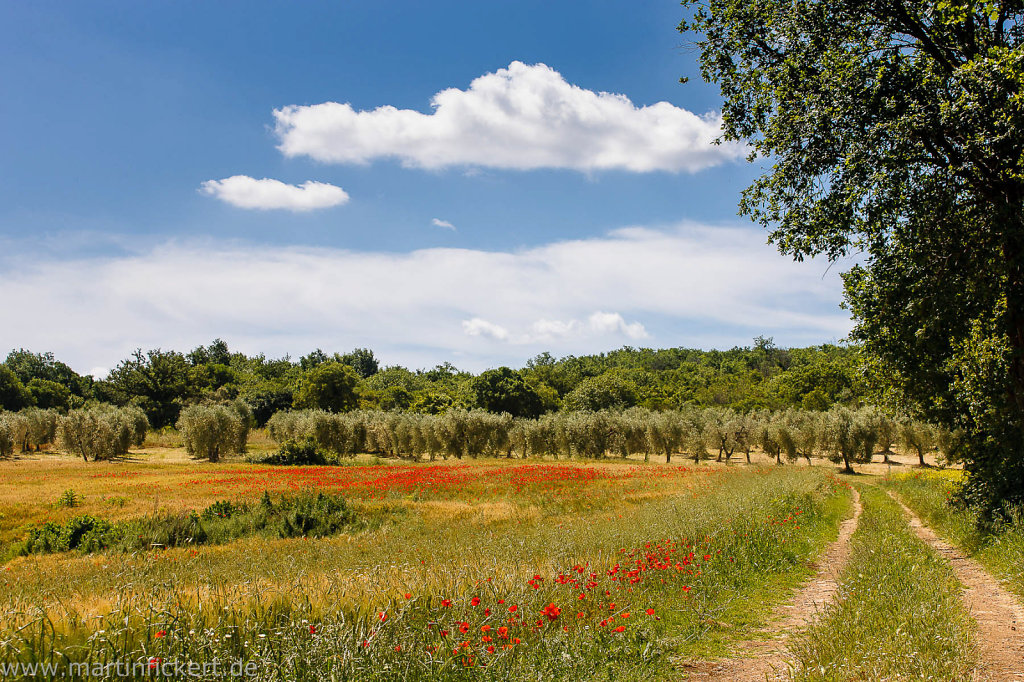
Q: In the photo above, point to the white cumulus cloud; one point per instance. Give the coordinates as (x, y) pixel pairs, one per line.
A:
(437, 222)
(245, 192)
(521, 117)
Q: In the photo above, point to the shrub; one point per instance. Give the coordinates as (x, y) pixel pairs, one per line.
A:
(298, 452)
(305, 514)
(69, 498)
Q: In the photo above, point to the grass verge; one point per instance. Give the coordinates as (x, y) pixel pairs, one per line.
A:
(898, 613)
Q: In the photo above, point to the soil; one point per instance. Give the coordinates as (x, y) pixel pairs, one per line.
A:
(766, 659)
(999, 615)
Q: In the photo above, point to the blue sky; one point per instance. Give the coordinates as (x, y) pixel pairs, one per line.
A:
(155, 159)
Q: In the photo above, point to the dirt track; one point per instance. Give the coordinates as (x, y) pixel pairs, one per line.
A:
(765, 659)
(998, 614)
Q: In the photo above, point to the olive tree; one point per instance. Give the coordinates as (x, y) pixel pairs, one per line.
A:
(208, 431)
(100, 432)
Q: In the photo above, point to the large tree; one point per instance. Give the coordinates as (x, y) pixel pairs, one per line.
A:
(893, 131)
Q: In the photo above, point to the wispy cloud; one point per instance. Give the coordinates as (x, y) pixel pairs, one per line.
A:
(437, 222)
(266, 194)
(521, 117)
(682, 285)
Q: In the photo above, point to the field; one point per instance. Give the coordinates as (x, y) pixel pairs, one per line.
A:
(474, 569)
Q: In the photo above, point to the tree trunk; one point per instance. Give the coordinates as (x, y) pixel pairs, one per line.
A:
(847, 469)
(920, 456)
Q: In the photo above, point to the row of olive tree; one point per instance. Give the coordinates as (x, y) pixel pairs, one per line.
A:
(841, 434)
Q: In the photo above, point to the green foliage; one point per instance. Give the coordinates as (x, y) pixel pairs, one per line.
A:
(327, 386)
(40, 427)
(299, 453)
(156, 381)
(49, 394)
(68, 499)
(13, 394)
(362, 361)
(211, 430)
(605, 392)
(897, 131)
(505, 390)
(305, 514)
(101, 432)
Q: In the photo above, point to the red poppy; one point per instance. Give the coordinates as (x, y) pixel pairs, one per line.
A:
(475, 601)
(621, 628)
(312, 629)
(160, 633)
(551, 611)
(650, 612)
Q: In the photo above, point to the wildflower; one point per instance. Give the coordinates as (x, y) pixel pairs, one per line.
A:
(312, 629)
(154, 661)
(513, 608)
(621, 628)
(650, 612)
(551, 611)
(160, 633)
(446, 603)
(398, 647)
(490, 649)
(624, 615)
(408, 595)
(463, 628)
(383, 616)
(475, 601)
(485, 628)
(503, 632)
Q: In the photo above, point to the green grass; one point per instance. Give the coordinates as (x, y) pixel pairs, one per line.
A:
(898, 613)
(1000, 550)
(709, 554)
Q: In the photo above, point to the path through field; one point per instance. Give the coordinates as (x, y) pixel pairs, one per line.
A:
(998, 614)
(765, 659)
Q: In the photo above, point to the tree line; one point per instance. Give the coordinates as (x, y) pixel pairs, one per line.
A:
(165, 383)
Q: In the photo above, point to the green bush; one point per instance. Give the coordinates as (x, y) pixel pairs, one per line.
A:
(305, 514)
(299, 452)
